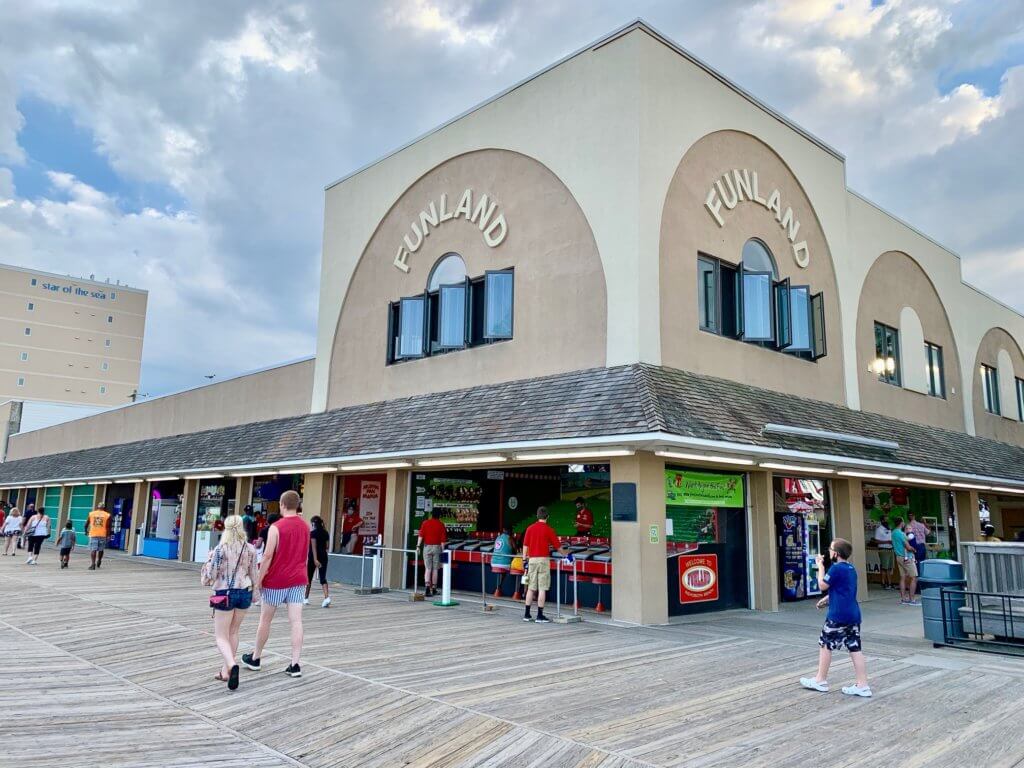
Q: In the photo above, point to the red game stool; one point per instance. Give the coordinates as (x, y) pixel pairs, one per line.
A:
(600, 581)
(516, 569)
(501, 571)
(579, 578)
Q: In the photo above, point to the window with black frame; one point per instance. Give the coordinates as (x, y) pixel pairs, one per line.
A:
(935, 372)
(747, 302)
(990, 389)
(887, 354)
(453, 313)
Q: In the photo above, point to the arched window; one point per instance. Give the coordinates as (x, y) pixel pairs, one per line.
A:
(449, 269)
(758, 278)
(447, 287)
(757, 258)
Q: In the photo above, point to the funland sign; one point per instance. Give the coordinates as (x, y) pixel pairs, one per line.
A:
(482, 213)
(741, 184)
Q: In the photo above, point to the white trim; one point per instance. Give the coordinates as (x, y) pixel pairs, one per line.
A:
(652, 441)
(824, 434)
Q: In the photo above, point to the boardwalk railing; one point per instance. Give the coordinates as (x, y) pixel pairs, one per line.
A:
(995, 567)
(983, 621)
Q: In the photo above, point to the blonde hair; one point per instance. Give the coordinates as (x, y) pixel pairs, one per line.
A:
(15, 512)
(234, 531)
(290, 500)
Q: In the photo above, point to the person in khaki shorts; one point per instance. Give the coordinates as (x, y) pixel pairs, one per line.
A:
(906, 562)
(432, 538)
(538, 541)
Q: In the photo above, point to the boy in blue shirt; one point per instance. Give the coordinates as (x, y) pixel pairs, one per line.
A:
(842, 624)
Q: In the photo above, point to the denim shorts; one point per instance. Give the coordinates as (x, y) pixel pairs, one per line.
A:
(240, 599)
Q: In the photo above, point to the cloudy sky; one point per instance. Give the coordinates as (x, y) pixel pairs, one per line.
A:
(183, 147)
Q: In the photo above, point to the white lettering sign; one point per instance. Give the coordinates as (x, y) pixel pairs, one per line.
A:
(484, 213)
(738, 185)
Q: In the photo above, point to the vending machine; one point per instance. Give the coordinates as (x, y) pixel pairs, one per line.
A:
(792, 556)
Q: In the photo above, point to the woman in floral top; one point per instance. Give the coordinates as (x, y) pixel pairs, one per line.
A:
(230, 569)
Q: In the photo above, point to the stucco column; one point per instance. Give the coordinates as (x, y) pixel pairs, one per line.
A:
(317, 489)
(968, 523)
(99, 495)
(140, 519)
(186, 536)
(639, 580)
(396, 498)
(764, 547)
(20, 503)
(848, 514)
(243, 494)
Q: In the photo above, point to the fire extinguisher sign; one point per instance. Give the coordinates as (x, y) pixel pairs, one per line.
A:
(698, 578)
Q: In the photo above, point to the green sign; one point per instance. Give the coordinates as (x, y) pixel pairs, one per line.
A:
(702, 489)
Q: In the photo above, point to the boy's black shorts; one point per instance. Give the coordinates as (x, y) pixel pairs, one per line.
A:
(835, 636)
(65, 551)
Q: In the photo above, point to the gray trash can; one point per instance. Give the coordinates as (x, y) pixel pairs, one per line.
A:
(934, 575)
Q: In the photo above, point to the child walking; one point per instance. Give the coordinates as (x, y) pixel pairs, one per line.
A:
(66, 543)
(842, 624)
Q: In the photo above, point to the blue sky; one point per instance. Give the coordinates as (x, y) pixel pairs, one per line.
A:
(184, 147)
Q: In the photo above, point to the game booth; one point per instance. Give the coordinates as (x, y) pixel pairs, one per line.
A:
(477, 505)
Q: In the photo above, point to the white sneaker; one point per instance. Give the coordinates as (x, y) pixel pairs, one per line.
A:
(857, 690)
(29, 561)
(326, 603)
(814, 685)
(305, 601)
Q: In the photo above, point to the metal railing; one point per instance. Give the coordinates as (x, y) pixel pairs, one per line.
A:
(380, 549)
(983, 621)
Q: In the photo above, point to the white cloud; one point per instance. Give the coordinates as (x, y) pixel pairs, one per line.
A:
(246, 111)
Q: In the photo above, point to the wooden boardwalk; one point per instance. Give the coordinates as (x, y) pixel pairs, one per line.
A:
(114, 668)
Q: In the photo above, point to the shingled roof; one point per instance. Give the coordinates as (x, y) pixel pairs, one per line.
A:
(603, 402)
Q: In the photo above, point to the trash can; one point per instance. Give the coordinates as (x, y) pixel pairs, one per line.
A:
(934, 575)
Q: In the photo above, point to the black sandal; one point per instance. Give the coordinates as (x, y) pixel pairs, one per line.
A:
(233, 678)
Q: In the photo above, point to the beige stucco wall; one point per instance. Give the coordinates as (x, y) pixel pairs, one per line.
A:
(560, 300)
(71, 338)
(271, 394)
(896, 281)
(688, 229)
(1007, 426)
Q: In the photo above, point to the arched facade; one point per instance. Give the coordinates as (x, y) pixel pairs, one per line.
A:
(560, 300)
(999, 351)
(702, 216)
(894, 284)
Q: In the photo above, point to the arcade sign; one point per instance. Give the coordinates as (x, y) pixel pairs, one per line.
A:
(738, 185)
(493, 227)
(698, 578)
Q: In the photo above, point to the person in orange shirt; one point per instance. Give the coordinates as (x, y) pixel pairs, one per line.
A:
(97, 528)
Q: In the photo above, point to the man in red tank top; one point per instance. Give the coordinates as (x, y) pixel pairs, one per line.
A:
(282, 580)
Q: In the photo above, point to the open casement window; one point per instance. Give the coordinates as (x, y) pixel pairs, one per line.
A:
(800, 319)
(730, 317)
(783, 314)
(451, 318)
(475, 287)
(412, 327)
(1020, 399)
(392, 351)
(757, 306)
(819, 344)
(707, 294)
(499, 296)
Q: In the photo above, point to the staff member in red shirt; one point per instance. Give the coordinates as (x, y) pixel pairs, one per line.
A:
(584, 518)
(538, 541)
(432, 538)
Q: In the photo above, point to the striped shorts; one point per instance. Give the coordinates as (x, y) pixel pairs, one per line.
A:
(284, 595)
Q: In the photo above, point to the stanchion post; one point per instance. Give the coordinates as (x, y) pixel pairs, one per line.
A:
(362, 570)
(483, 581)
(558, 588)
(575, 590)
(415, 575)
